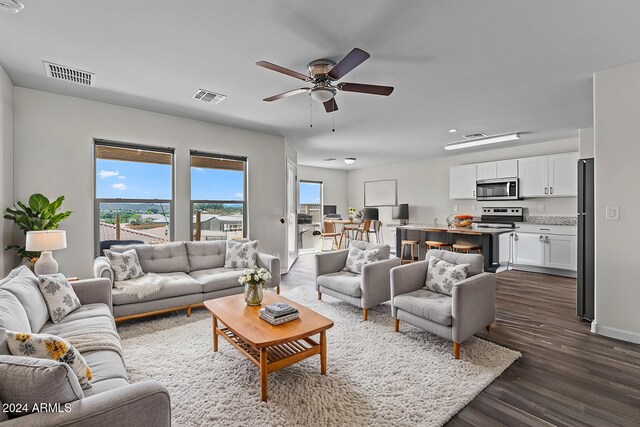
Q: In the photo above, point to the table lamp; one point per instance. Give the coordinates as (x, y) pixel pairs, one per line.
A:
(45, 242)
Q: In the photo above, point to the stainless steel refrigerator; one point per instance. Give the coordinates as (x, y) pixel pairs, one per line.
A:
(586, 239)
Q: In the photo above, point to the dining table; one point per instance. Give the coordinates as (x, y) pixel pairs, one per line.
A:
(345, 223)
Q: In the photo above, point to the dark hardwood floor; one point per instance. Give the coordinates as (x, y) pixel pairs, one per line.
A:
(567, 376)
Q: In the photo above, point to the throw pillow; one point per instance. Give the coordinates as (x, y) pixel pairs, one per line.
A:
(241, 254)
(44, 346)
(442, 275)
(125, 265)
(59, 295)
(358, 258)
(27, 383)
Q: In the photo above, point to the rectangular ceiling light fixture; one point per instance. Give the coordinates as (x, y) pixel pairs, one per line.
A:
(483, 141)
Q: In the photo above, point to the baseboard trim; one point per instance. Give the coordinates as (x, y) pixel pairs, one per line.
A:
(545, 270)
(616, 333)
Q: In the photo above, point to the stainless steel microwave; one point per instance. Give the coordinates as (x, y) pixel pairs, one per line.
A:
(497, 189)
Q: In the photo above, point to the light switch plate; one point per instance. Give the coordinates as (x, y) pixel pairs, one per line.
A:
(540, 208)
(613, 213)
(473, 208)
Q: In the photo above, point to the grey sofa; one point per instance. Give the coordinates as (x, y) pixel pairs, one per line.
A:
(194, 273)
(364, 290)
(110, 401)
(470, 308)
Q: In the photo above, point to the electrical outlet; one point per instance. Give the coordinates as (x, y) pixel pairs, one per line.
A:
(540, 208)
(613, 213)
(455, 208)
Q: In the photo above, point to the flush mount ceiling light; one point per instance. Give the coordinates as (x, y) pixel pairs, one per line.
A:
(350, 160)
(453, 130)
(483, 141)
(11, 6)
(322, 93)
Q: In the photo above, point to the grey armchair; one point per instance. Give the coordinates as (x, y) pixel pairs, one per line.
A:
(364, 290)
(470, 308)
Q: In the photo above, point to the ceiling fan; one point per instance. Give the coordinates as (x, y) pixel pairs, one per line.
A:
(323, 74)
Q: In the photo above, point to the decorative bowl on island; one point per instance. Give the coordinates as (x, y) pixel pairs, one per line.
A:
(462, 220)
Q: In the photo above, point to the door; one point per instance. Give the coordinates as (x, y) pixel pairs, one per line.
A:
(462, 182)
(561, 252)
(529, 249)
(534, 176)
(563, 175)
(486, 171)
(507, 168)
(291, 216)
(309, 215)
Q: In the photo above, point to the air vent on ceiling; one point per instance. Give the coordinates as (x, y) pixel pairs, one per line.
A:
(475, 135)
(62, 72)
(208, 96)
(330, 159)
(11, 6)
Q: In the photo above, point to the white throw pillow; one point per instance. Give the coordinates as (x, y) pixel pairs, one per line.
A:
(59, 295)
(241, 254)
(442, 275)
(358, 258)
(44, 346)
(125, 265)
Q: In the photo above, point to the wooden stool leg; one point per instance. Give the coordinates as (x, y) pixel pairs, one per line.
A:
(456, 350)
(402, 248)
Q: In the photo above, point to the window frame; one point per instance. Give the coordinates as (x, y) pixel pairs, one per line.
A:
(97, 201)
(245, 191)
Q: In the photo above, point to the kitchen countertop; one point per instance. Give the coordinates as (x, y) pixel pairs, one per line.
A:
(456, 230)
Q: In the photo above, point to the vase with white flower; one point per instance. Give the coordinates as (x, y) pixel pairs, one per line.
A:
(254, 281)
(351, 212)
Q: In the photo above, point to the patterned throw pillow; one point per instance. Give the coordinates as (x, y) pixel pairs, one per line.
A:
(357, 259)
(241, 254)
(59, 295)
(125, 265)
(44, 346)
(442, 275)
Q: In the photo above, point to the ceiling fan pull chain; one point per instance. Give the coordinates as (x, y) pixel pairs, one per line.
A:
(310, 112)
(333, 116)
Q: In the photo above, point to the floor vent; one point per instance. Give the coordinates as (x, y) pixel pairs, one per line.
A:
(208, 96)
(69, 74)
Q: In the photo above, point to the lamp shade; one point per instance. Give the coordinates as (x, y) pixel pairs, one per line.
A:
(401, 211)
(370, 214)
(47, 240)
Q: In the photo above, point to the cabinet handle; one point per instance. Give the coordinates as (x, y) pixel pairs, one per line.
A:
(546, 239)
(551, 190)
(545, 190)
(516, 237)
(541, 238)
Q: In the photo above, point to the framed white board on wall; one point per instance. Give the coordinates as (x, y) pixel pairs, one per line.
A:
(380, 193)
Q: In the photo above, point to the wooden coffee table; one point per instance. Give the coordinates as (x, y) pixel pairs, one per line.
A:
(269, 347)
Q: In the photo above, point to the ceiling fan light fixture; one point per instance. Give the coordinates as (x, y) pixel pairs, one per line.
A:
(322, 94)
(349, 161)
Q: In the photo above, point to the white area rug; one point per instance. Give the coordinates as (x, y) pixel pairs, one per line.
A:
(374, 377)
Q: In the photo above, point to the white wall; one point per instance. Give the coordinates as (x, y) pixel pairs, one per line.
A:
(334, 185)
(617, 150)
(424, 184)
(7, 260)
(53, 138)
(587, 144)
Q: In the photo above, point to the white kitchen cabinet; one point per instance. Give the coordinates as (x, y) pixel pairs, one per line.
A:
(561, 252)
(486, 170)
(507, 168)
(563, 175)
(534, 176)
(529, 249)
(462, 182)
(505, 244)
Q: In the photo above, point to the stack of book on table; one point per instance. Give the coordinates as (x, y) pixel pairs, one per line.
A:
(278, 313)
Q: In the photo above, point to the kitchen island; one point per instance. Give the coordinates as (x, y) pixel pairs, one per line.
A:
(486, 238)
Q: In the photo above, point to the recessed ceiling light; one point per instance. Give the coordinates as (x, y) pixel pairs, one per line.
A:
(350, 160)
(453, 130)
(483, 141)
(11, 6)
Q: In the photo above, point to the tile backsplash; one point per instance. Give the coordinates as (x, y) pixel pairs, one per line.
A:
(552, 220)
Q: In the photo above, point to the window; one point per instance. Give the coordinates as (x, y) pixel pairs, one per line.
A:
(134, 193)
(309, 213)
(218, 197)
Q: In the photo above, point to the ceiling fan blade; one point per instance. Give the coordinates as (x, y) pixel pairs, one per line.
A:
(330, 106)
(348, 63)
(362, 88)
(287, 94)
(279, 69)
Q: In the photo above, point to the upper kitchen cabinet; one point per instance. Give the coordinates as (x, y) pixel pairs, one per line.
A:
(500, 169)
(549, 176)
(462, 182)
(534, 176)
(563, 174)
(486, 170)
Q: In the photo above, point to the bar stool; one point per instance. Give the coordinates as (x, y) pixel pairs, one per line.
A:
(434, 244)
(466, 248)
(404, 244)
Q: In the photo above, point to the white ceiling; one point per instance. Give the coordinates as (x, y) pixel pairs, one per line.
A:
(492, 66)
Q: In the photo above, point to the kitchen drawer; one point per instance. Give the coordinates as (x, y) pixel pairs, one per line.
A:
(562, 230)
